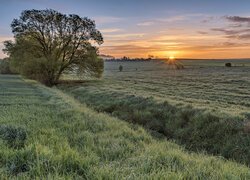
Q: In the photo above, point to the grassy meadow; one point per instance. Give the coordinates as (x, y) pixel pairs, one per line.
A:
(205, 106)
(202, 84)
(47, 134)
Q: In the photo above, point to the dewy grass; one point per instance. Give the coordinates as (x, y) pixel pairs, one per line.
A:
(66, 140)
(196, 129)
(13, 136)
(204, 106)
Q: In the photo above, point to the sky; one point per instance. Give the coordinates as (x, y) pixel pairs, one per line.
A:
(208, 29)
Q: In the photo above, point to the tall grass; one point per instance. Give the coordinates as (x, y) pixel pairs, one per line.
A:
(63, 139)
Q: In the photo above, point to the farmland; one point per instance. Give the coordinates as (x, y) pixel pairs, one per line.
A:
(203, 84)
(47, 134)
(204, 106)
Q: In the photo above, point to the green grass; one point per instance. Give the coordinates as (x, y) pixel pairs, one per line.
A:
(202, 84)
(198, 130)
(205, 106)
(45, 134)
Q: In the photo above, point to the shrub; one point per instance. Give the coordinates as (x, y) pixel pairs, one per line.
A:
(120, 68)
(228, 64)
(5, 67)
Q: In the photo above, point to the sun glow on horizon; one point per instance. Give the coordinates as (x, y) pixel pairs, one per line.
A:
(172, 58)
(171, 55)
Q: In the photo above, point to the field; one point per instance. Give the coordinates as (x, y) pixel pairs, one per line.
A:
(47, 134)
(50, 133)
(202, 84)
(205, 106)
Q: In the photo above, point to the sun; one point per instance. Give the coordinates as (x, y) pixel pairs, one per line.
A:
(172, 58)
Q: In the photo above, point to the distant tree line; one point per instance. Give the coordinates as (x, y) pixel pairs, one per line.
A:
(125, 58)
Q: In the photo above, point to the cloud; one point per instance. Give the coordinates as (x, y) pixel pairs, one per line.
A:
(147, 23)
(208, 19)
(242, 34)
(133, 50)
(211, 46)
(202, 32)
(173, 19)
(231, 32)
(111, 30)
(236, 25)
(238, 19)
(181, 17)
(188, 38)
(229, 44)
(238, 29)
(163, 20)
(170, 19)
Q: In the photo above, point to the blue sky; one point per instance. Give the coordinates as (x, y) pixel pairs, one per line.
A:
(137, 28)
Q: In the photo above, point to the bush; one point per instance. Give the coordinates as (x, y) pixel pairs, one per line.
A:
(228, 64)
(5, 67)
(120, 68)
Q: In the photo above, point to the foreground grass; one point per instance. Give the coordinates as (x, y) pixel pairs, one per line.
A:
(46, 134)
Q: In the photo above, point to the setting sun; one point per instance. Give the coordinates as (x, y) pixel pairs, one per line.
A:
(171, 58)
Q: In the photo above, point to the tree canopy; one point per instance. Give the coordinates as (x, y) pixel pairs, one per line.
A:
(49, 43)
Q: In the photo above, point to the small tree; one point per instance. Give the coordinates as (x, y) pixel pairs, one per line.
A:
(49, 43)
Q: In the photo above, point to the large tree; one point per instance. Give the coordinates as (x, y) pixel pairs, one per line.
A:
(49, 43)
